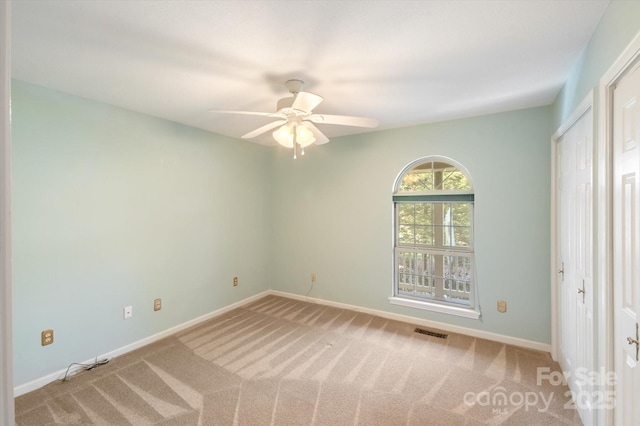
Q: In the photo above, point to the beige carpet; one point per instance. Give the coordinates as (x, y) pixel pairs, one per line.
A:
(279, 361)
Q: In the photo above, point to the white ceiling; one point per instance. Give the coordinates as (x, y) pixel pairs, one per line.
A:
(401, 62)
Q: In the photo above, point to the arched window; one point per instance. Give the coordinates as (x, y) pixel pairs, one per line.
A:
(433, 202)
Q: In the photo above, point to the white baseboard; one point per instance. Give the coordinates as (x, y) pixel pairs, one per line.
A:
(38, 383)
(509, 340)
(58, 375)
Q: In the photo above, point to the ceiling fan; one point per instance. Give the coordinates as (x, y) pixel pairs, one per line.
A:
(294, 125)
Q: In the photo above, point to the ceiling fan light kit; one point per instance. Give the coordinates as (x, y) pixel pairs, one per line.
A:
(286, 134)
(294, 125)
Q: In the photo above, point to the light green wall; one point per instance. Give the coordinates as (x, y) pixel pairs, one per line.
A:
(618, 26)
(333, 216)
(115, 208)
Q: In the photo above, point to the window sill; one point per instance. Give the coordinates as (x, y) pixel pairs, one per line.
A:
(435, 307)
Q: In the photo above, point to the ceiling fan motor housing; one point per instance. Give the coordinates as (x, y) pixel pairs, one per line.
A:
(285, 105)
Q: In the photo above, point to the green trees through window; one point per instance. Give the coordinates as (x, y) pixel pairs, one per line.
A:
(434, 175)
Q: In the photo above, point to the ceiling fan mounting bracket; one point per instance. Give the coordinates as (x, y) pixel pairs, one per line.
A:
(294, 85)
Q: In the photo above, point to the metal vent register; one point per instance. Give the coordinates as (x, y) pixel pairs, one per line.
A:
(431, 333)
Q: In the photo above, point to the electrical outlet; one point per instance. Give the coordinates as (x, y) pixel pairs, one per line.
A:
(128, 312)
(46, 337)
(502, 306)
(157, 304)
(235, 281)
(314, 277)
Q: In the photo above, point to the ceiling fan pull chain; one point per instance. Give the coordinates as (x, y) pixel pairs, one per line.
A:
(295, 142)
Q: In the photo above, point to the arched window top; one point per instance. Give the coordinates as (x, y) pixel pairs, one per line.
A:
(433, 174)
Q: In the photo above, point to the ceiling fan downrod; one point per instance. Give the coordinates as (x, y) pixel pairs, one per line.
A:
(295, 143)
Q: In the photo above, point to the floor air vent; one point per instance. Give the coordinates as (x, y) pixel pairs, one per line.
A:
(431, 333)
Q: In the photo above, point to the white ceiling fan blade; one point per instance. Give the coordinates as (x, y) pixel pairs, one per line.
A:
(263, 129)
(343, 120)
(306, 102)
(320, 137)
(263, 114)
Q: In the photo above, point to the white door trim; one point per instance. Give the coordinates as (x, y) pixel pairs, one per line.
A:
(7, 416)
(623, 64)
(584, 106)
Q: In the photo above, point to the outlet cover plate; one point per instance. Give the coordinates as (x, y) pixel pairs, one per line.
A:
(46, 337)
(157, 304)
(128, 312)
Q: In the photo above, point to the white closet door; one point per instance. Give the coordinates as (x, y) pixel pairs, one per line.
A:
(574, 203)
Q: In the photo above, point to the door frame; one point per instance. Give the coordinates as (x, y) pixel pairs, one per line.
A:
(7, 413)
(604, 238)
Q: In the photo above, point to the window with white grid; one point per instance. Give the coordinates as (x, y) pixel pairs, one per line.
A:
(433, 237)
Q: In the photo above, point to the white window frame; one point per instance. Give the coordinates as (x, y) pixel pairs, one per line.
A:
(418, 302)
